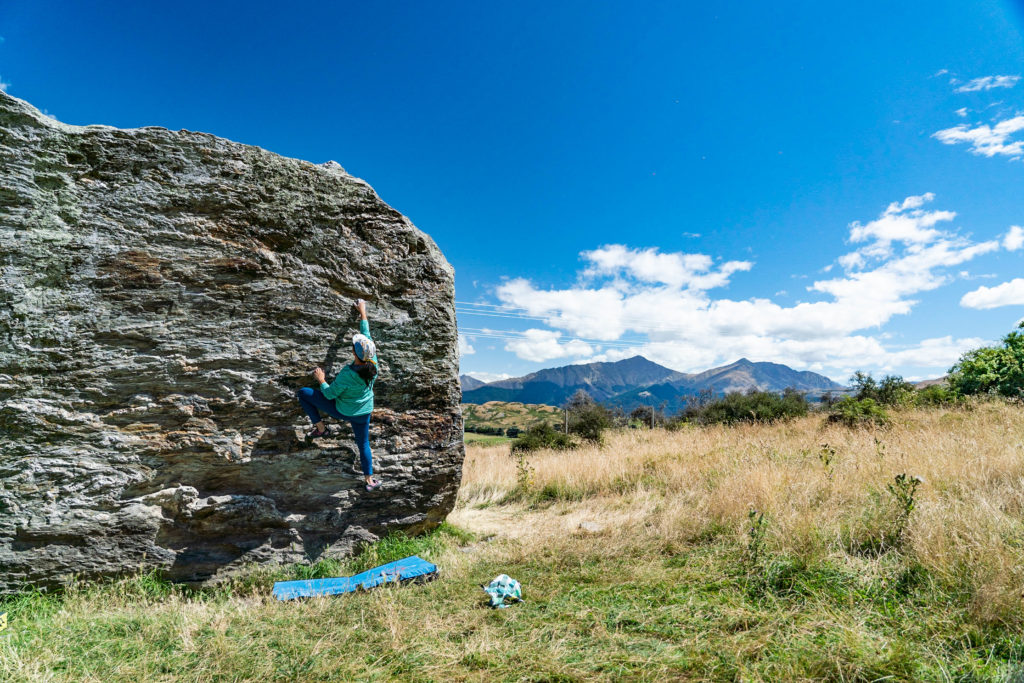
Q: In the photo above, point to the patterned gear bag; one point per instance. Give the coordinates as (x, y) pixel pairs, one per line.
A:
(501, 588)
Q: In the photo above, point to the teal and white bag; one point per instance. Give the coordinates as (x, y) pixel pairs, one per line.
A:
(504, 588)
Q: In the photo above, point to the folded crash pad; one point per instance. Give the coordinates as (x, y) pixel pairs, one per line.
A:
(401, 570)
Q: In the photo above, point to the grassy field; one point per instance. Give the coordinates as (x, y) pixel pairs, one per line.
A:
(760, 553)
(504, 414)
(485, 440)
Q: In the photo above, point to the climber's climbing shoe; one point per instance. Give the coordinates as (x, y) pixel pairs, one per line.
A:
(315, 433)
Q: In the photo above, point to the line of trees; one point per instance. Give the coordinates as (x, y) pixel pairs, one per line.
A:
(511, 432)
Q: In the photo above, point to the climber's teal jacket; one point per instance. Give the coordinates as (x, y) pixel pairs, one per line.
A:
(350, 393)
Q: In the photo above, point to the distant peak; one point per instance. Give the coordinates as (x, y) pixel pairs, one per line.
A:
(633, 360)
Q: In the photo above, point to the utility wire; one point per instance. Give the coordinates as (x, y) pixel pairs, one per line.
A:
(637, 324)
(515, 336)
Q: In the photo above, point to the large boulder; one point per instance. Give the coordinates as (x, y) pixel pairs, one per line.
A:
(163, 295)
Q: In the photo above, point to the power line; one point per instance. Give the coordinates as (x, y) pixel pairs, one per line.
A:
(512, 335)
(640, 325)
(494, 314)
(481, 303)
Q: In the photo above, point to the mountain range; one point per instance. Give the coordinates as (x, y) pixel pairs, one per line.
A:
(637, 381)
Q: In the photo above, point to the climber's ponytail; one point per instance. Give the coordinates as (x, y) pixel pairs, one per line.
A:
(367, 371)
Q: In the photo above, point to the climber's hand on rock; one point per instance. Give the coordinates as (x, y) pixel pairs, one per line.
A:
(318, 375)
(361, 307)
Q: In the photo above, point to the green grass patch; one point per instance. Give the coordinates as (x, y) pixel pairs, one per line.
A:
(589, 614)
(486, 439)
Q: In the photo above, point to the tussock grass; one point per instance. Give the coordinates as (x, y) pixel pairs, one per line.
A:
(834, 577)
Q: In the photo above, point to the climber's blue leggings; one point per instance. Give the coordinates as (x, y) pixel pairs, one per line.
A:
(314, 402)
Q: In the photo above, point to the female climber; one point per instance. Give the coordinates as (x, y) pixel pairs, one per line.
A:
(349, 397)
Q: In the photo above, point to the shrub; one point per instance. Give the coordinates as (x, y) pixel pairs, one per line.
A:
(992, 370)
(587, 418)
(854, 412)
(589, 424)
(892, 390)
(542, 435)
(647, 416)
(937, 395)
(753, 406)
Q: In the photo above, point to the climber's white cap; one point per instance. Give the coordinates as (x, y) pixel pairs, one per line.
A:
(364, 347)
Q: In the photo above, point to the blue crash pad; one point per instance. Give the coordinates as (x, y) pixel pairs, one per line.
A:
(401, 570)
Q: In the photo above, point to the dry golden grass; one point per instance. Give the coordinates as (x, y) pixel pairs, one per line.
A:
(674, 487)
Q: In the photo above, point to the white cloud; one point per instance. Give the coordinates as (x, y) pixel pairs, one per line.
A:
(904, 222)
(465, 348)
(988, 83)
(662, 297)
(541, 345)
(489, 376)
(4, 86)
(986, 140)
(961, 112)
(836, 358)
(937, 352)
(678, 269)
(1014, 238)
(1007, 294)
(572, 309)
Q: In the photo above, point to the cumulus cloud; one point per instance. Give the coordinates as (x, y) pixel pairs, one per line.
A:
(664, 298)
(902, 221)
(541, 345)
(984, 140)
(692, 271)
(465, 348)
(988, 83)
(4, 86)
(1014, 238)
(1007, 294)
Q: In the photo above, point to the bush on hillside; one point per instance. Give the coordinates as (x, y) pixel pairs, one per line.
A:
(891, 390)
(484, 429)
(590, 424)
(997, 370)
(647, 416)
(753, 406)
(854, 412)
(587, 418)
(936, 395)
(542, 435)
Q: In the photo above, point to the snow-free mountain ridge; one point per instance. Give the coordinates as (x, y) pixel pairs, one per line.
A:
(638, 381)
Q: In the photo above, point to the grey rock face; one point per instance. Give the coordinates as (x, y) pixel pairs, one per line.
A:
(163, 295)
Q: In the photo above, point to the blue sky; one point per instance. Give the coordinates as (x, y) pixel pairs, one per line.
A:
(829, 185)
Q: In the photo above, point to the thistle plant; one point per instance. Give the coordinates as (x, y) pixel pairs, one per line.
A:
(827, 456)
(904, 490)
(756, 541)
